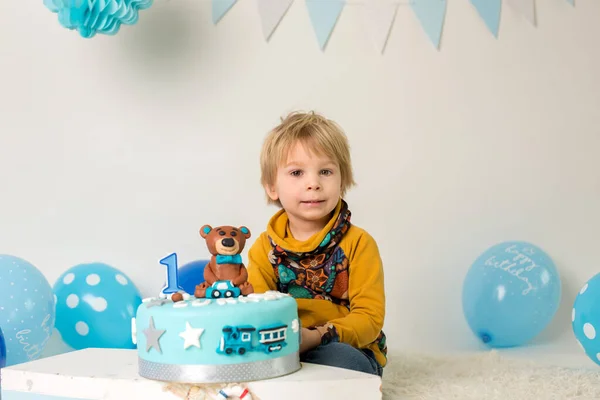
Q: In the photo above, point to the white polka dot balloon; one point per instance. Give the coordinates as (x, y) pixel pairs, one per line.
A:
(585, 318)
(94, 306)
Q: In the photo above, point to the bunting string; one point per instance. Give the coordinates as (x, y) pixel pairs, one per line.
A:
(379, 15)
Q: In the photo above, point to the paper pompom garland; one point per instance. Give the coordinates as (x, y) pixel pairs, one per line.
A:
(90, 17)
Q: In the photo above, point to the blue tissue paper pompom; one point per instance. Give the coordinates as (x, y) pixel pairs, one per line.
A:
(89, 17)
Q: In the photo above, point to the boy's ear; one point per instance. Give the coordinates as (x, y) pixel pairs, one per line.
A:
(271, 192)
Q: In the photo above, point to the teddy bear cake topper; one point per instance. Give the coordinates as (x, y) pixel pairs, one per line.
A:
(225, 276)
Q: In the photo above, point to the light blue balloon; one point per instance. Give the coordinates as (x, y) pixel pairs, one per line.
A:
(26, 309)
(510, 294)
(94, 307)
(585, 318)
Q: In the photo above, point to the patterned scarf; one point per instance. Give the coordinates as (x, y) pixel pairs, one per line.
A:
(319, 274)
(312, 275)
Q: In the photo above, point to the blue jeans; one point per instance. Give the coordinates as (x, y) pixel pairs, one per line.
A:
(342, 355)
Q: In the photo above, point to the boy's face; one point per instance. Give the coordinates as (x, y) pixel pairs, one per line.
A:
(308, 185)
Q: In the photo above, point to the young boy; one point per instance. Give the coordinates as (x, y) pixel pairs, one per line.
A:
(312, 251)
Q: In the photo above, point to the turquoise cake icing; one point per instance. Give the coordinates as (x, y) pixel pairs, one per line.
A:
(202, 340)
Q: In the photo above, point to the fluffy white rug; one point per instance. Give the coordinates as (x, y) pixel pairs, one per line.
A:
(484, 376)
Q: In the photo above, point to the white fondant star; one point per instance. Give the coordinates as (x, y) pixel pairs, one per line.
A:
(191, 336)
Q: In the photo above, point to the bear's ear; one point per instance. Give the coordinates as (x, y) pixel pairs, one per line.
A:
(245, 231)
(205, 230)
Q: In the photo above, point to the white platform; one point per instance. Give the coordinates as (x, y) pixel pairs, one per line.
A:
(111, 374)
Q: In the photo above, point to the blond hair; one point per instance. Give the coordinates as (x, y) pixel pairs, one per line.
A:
(320, 136)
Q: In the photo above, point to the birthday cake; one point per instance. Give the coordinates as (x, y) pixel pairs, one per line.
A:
(223, 332)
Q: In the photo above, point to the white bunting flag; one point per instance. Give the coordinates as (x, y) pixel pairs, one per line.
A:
(271, 12)
(524, 7)
(379, 16)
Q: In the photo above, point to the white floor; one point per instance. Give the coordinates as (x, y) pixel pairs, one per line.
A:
(563, 351)
(548, 372)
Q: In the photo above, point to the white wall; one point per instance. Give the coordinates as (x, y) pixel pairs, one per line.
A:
(117, 149)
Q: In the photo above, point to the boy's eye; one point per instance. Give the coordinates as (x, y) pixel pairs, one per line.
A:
(327, 172)
(296, 173)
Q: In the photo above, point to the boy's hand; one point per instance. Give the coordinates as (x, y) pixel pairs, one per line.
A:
(309, 339)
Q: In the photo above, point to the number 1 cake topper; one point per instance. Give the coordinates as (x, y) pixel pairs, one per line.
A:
(172, 281)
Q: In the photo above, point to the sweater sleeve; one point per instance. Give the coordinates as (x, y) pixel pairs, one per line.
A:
(260, 271)
(366, 294)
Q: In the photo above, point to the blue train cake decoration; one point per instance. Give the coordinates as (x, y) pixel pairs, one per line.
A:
(223, 332)
(246, 338)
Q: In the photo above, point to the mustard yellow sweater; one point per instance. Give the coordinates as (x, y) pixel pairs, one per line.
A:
(354, 304)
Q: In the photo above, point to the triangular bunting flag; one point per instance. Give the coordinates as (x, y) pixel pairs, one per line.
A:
(379, 18)
(220, 8)
(271, 12)
(489, 10)
(324, 15)
(525, 7)
(431, 15)
(572, 2)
